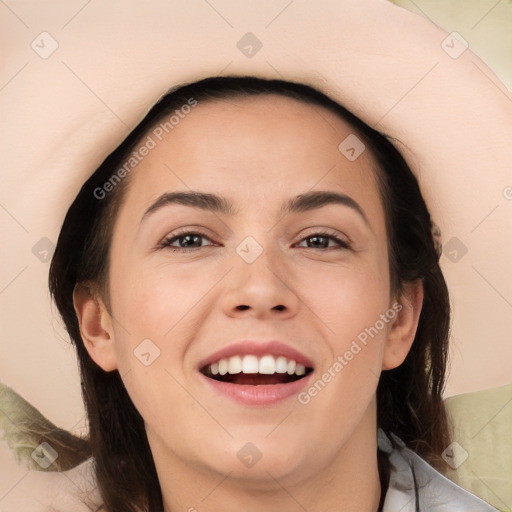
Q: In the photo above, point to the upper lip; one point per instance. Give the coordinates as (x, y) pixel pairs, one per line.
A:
(258, 348)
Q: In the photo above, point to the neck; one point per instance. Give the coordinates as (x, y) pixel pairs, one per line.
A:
(349, 483)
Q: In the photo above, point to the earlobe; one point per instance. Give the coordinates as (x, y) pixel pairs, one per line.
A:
(401, 334)
(95, 328)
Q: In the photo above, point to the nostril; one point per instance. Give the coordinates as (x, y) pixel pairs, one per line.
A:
(243, 307)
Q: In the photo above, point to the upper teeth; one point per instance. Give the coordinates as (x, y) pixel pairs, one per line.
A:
(266, 365)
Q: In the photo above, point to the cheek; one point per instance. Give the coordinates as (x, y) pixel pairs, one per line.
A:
(347, 299)
(154, 323)
(163, 303)
(151, 300)
(351, 304)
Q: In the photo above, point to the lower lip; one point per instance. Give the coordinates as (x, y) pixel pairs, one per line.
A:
(268, 394)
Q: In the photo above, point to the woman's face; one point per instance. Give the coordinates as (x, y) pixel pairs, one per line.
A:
(260, 273)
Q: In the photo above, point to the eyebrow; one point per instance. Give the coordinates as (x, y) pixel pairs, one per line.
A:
(318, 199)
(211, 202)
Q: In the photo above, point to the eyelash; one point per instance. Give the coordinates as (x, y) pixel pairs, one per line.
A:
(343, 244)
(166, 243)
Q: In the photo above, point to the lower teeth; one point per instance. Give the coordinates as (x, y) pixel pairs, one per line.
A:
(256, 379)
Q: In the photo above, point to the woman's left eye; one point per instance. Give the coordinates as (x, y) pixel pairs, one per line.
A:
(322, 240)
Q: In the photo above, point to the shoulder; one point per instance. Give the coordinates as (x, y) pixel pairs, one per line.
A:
(414, 485)
(68, 491)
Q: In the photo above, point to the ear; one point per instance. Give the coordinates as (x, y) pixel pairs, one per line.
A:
(95, 327)
(403, 330)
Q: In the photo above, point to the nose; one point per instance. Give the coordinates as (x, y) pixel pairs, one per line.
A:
(259, 289)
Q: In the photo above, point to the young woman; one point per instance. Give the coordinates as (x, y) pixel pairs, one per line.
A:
(251, 282)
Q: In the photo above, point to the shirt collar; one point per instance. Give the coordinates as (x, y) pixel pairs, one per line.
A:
(415, 486)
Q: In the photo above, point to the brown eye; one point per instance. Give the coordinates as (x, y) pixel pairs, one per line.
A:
(322, 240)
(188, 240)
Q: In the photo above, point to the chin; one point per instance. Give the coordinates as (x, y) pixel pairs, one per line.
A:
(259, 460)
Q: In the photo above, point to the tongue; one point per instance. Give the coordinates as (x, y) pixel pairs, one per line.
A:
(257, 379)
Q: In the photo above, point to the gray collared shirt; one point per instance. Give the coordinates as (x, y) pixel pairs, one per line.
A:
(415, 486)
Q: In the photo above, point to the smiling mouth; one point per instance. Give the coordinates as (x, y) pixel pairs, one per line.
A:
(250, 370)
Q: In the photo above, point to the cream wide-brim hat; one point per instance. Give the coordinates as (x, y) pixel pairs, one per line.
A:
(74, 81)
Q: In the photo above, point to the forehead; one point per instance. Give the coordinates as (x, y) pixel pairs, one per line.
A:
(273, 122)
(252, 148)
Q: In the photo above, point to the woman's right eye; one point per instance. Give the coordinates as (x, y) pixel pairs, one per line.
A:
(186, 241)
